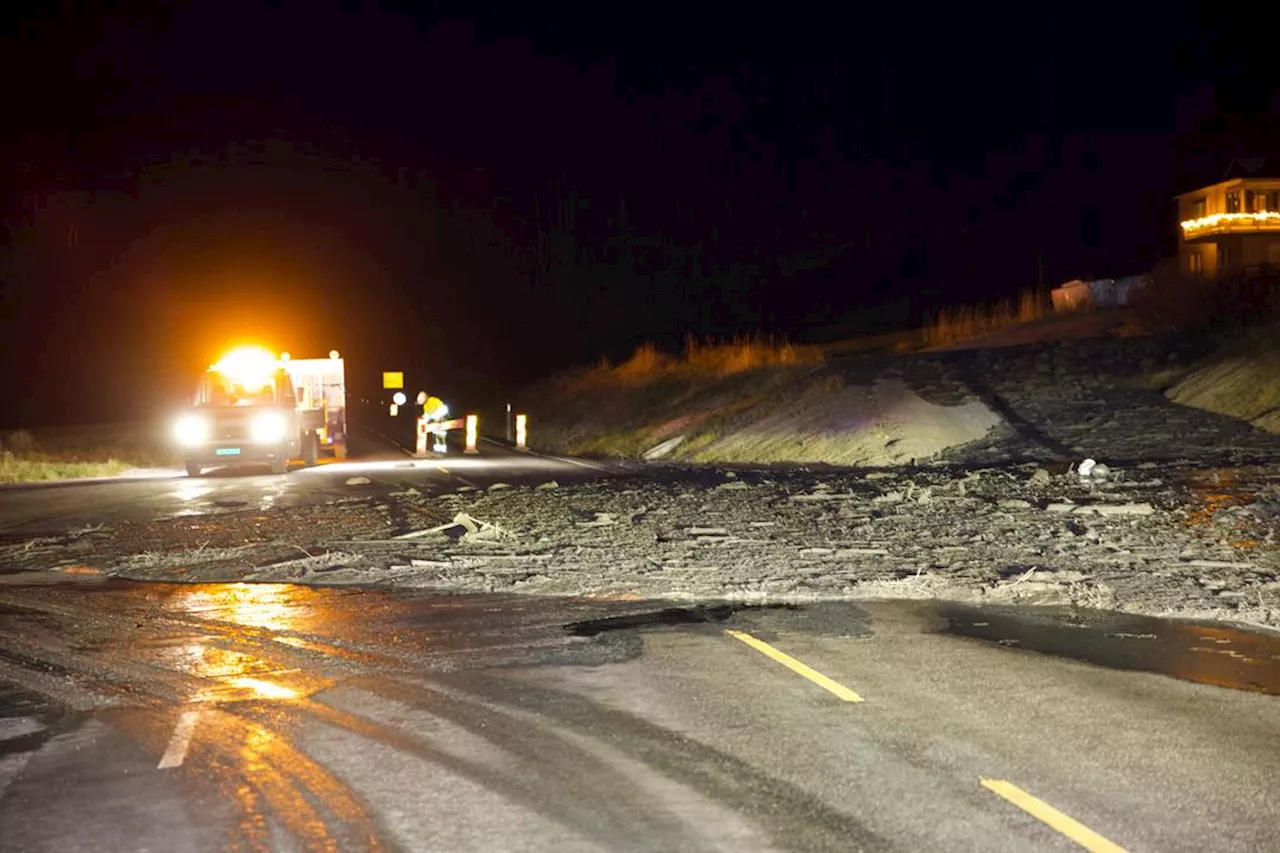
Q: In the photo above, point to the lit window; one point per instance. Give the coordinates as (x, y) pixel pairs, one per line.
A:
(1198, 208)
(1195, 264)
(1233, 201)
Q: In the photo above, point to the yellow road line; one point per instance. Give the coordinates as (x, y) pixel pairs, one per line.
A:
(1042, 811)
(797, 667)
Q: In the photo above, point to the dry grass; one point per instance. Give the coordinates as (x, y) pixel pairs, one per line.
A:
(701, 358)
(38, 468)
(951, 325)
(79, 452)
(744, 354)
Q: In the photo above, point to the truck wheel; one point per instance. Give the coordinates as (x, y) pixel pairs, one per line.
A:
(194, 470)
(310, 449)
(280, 465)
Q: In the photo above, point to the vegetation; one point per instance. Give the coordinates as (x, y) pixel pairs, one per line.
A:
(951, 325)
(80, 452)
(1227, 308)
(701, 358)
(36, 468)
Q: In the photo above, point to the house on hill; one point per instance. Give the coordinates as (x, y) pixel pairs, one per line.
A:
(1233, 225)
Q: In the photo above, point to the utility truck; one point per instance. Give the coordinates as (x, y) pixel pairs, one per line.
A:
(253, 407)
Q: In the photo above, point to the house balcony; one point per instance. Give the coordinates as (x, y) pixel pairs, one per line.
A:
(1266, 221)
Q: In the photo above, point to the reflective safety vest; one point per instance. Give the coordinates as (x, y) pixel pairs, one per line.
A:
(434, 409)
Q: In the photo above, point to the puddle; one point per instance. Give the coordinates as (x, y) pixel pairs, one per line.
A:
(667, 617)
(1205, 653)
(1218, 492)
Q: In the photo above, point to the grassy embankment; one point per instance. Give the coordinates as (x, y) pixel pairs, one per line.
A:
(1233, 329)
(78, 452)
(752, 400)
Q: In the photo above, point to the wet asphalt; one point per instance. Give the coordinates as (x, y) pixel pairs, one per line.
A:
(155, 494)
(275, 717)
(162, 717)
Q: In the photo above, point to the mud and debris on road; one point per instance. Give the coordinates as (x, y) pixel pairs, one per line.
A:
(1156, 540)
(1093, 490)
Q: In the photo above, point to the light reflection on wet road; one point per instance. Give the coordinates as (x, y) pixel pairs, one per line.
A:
(273, 717)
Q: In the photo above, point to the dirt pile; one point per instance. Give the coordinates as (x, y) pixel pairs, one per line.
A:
(1054, 401)
(1243, 386)
(774, 416)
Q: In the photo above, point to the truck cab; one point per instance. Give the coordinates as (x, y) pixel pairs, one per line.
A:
(253, 408)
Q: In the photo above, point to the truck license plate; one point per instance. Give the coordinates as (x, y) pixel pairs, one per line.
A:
(227, 451)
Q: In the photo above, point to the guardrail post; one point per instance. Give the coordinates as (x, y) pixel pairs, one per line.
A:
(522, 432)
(473, 432)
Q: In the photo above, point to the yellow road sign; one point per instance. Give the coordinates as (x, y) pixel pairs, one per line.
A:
(393, 379)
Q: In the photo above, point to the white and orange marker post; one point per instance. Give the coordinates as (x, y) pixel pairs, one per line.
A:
(522, 432)
(473, 433)
(420, 446)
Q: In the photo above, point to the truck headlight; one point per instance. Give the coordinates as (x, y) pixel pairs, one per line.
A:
(267, 428)
(191, 430)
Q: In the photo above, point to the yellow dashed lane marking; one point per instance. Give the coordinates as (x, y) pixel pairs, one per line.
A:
(1042, 811)
(797, 667)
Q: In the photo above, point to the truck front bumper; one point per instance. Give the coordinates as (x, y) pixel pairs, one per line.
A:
(235, 453)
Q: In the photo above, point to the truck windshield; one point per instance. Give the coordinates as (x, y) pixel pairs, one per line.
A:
(217, 389)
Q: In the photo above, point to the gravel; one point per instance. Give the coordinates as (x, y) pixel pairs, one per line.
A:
(1190, 542)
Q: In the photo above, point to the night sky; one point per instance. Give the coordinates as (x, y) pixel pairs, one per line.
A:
(482, 199)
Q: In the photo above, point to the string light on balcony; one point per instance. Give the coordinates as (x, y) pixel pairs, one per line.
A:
(1262, 218)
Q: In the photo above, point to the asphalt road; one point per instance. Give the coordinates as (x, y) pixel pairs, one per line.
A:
(154, 494)
(166, 717)
(271, 717)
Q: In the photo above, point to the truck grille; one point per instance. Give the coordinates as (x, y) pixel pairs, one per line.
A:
(231, 431)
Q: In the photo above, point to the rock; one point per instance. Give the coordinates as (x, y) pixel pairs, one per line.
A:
(1060, 507)
(1116, 509)
(410, 492)
(1100, 472)
(1015, 503)
(1039, 478)
(358, 481)
(663, 449)
(550, 484)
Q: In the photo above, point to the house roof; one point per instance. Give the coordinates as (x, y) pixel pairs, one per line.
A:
(1252, 167)
(1242, 168)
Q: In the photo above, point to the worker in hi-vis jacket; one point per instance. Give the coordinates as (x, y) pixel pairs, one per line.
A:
(434, 410)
